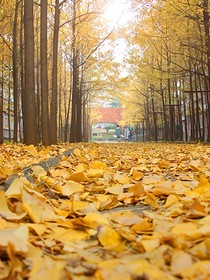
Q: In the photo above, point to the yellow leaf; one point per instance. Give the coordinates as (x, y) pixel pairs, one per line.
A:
(180, 261)
(5, 211)
(38, 171)
(38, 209)
(201, 250)
(108, 237)
(95, 173)
(47, 268)
(76, 152)
(69, 188)
(79, 177)
(110, 264)
(98, 165)
(96, 219)
(137, 189)
(150, 243)
(202, 187)
(15, 188)
(171, 199)
(80, 168)
(65, 174)
(137, 175)
(70, 235)
(116, 189)
(104, 274)
(75, 205)
(127, 218)
(38, 228)
(89, 256)
(122, 179)
(184, 228)
(198, 268)
(151, 200)
(144, 226)
(18, 237)
(197, 210)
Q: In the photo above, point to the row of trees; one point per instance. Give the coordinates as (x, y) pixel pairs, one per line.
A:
(56, 58)
(50, 70)
(170, 64)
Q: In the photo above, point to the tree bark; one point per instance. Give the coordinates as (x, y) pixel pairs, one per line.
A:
(54, 101)
(207, 43)
(15, 73)
(44, 76)
(30, 136)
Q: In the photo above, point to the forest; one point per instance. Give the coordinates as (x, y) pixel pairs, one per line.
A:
(61, 59)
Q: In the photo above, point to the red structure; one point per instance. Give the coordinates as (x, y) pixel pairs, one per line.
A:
(111, 115)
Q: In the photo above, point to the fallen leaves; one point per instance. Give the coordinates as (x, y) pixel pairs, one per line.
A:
(109, 211)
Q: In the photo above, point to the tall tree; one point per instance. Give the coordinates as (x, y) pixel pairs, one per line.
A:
(54, 99)
(29, 107)
(15, 72)
(44, 76)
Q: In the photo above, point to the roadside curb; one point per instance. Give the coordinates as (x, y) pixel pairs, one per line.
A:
(27, 171)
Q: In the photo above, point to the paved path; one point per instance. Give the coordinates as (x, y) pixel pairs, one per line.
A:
(46, 164)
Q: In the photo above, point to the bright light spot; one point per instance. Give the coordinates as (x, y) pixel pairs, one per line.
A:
(117, 12)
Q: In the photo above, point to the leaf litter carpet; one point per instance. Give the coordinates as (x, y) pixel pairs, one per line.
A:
(108, 211)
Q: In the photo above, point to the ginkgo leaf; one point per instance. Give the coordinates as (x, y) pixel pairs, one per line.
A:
(197, 210)
(38, 171)
(152, 200)
(15, 188)
(180, 261)
(126, 218)
(198, 268)
(40, 229)
(79, 177)
(150, 244)
(184, 228)
(80, 168)
(108, 237)
(60, 173)
(137, 175)
(143, 226)
(46, 268)
(201, 249)
(98, 165)
(38, 209)
(115, 189)
(69, 188)
(171, 199)
(77, 152)
(122, 179)
(18, 237)
(5, 211)
(97, 173)
(137, 189)
(202, 187)
(103, 274)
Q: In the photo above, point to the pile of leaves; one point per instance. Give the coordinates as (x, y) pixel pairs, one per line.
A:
(109, 211)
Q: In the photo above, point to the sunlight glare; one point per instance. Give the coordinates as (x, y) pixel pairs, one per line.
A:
(115, 12)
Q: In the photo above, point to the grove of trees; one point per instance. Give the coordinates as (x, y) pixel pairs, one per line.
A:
(170, 65)
(57, 58)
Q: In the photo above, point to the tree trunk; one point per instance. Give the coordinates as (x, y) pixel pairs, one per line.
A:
(1, 108)
(30, 136)
(54, 101)
(44, 76)
(74, 79)
(15, 72)
(207, 43)
(22, 77)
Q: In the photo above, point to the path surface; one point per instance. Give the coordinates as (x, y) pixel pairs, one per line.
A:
(27, 171)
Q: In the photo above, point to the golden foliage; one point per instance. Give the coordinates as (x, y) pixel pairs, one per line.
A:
(109, 210)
